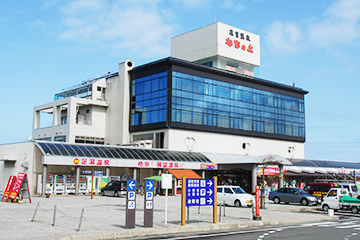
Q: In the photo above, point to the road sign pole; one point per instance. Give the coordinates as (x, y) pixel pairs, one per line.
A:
(148, 203)
(130, 204)
(183, 200)
(166, 207)
(92, 184)
(215, 201)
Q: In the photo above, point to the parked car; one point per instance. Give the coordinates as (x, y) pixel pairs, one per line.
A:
(320, 189)
(114, 188)
(293, 195)
(234, 195)
(353, 190)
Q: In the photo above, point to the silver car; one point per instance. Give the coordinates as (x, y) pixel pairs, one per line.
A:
(293, 195)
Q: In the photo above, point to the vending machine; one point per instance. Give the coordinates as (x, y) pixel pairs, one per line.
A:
(70, 184)
(82, 184)
(49, 187)
(59, 184)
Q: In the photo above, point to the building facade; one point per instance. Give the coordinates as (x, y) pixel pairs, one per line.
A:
(205, 99)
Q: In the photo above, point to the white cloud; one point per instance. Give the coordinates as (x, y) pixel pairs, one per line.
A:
(340, 24)
(233, 5)
(140, 26)
(283, 37)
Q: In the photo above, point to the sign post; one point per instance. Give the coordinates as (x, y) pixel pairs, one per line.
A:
(166, 183)
(257, 204)
(199, 192)
(148, 203)
(130, 204)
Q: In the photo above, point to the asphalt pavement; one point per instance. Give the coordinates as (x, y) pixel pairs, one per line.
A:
(80, 217)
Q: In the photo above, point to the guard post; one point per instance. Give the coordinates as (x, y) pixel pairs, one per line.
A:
(130, 204)
(148, 203)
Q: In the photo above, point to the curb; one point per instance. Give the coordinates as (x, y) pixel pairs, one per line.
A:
(182, 229)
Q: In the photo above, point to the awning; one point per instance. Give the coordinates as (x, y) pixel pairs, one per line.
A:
(307, 169)
(155, 178)
(320, 170)
(179, 173)
(293, 169)
(332, 170)
(241, 159)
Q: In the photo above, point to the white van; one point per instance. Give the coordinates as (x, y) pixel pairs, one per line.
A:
(234, 195)
(353, 190)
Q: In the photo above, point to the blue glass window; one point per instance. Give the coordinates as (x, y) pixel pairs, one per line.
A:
(149, 96)
(203, 101)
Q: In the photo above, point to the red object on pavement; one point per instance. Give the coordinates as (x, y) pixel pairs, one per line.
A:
(257, 201)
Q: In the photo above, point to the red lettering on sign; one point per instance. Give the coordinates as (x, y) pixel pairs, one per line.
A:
(237, 44)
(176, 165)
(165, 165)
(99, 162)
(158, 164)
(140, 163)
(250, 48)
(171, 165)
(229, 42)
(83, 161)
(92, 161)
(106, 162)
(147, 164)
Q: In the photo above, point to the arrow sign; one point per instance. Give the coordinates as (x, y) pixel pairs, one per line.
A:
(210, 183)
(210, 201)
(149, 185)
(131, 185)
(210, 192)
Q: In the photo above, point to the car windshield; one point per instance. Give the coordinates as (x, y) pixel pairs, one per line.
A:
(238, 190)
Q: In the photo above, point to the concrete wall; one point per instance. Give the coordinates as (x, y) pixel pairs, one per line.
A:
(21, 156)
(231, 144)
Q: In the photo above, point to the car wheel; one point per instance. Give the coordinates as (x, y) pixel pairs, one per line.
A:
(116, 194)
(354, 209)
(103, 193)
(237, 203)
(304, 202)
(325, 207)
(276, 200)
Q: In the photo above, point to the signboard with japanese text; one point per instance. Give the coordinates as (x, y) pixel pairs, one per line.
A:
(200, 192)
(20, 186)
(100, 162)
(9, 186)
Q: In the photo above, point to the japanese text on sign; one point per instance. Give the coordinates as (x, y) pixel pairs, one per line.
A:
(199, 192)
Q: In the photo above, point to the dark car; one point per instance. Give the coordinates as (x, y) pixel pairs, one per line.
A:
(293, 195)
(114, 188)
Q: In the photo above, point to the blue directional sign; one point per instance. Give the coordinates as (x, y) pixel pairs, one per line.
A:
(149, 185)
(199, 192)
(131, 185)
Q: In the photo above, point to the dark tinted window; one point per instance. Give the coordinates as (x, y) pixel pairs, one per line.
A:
(227, 190)
(291, 191)
(282, 190)
(219, 190)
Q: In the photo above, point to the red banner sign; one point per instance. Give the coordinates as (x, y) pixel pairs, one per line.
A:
(16, 188)
(257, 201)
(9, 186)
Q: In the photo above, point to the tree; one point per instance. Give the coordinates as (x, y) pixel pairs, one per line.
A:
(266, 161)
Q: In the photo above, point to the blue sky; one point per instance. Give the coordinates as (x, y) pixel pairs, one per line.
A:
(46, 46)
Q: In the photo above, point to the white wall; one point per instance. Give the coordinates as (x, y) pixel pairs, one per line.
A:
(22, 153)
(231, 144)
